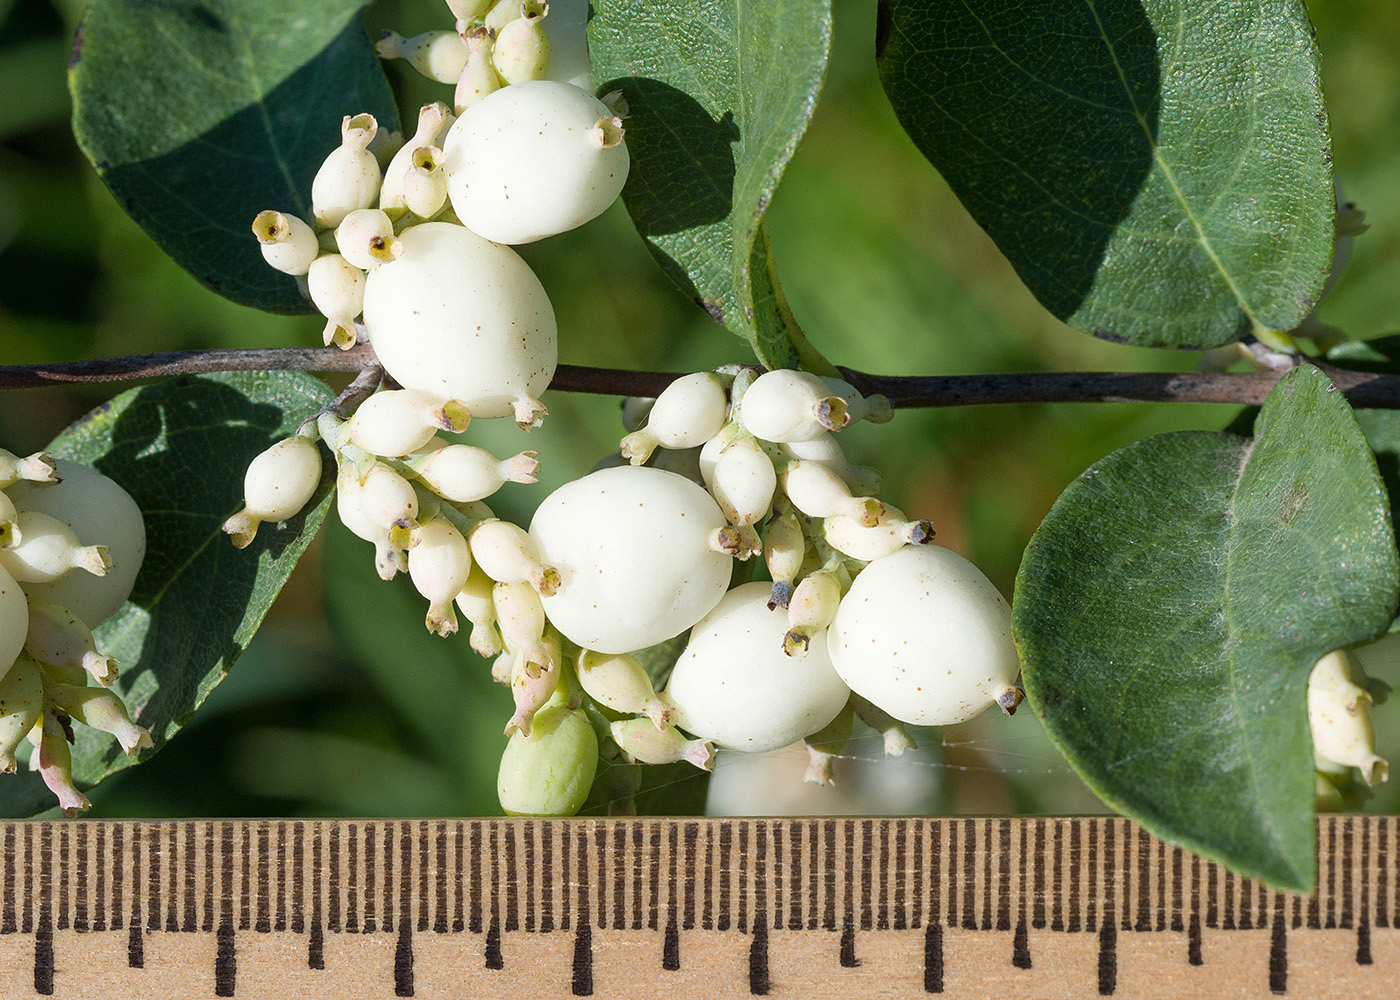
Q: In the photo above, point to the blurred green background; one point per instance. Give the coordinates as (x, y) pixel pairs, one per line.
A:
(344, 705)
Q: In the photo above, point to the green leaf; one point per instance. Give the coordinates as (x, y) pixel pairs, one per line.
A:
(1158, 173)
(1173, 602)
(180, 448)
(720, 92)
(198, 114)
(1381, 355)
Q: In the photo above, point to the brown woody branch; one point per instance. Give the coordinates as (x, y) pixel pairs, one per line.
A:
(1361, 389)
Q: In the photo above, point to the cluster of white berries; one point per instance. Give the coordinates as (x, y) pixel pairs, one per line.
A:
(57, 583)
(861, 616)
(416, 259)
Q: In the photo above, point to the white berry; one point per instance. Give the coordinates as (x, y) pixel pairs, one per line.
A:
(534, 159)
(464, 319)
(924, 635)
(735, 685)
(634, 551)
(99, 511)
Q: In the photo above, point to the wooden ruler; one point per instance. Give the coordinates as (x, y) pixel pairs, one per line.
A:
(705, 908)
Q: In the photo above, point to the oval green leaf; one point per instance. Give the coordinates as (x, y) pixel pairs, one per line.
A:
(180, 448)
(1157, 173)
(1173, 602)
(198, 114)
(719, 93)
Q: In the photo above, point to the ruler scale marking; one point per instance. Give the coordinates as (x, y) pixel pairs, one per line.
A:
(1347, 844)
(566, 861)
(619, 870)
(99, 896)
(1363, 923)
(529, 836)
(189, 880)
(315, 958)
(512, 921)
(1278, 950)
(671, 947)
(1329, 853)
(1020, 946)
(135, 951)
(759, 982)
(829, 871)
(494, 958)
(372, 912)
(969, 875)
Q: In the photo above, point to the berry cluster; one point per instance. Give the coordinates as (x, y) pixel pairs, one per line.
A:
(56, 585)
(861, 615)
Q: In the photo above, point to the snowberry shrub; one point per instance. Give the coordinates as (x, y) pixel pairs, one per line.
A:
(1179, 578)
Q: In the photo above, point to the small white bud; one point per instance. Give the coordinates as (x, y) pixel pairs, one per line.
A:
(58, 636)
(101, 709)
(438, 55)
(873, 408)
(349, 178)
(617, 681)
(439, 564)
(784, 549)
(432, 121)
(811, 609)
(475, 600)
(425, 185)
(49, 550)
(640, 740)
(54, 762)
(1340, 720)
(350, 507)
(389, 499)
(278, 484)
(743, 482)
(365, 238)
(462, 473)
(502, 13)
(37, 468)
(787, 405)
(818, 492)
(534, 680)
(521, 51)
(469, 10)
(890, 533)
(479, 78)
(824, 746)
(896, 739)
(21, 705)
(689, 412)
(396, 422)
(508, 555)
(337, 289)
(288, 244)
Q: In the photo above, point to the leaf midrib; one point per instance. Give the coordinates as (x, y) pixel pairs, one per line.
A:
(1169, 176)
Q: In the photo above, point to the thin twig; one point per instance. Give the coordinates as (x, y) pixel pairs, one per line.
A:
(1361, 388)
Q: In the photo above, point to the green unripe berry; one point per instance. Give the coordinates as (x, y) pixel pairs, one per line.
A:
(549, 772)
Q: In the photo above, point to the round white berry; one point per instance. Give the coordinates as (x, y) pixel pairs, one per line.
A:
(100, 512)
(924, 635)
(633, 548)
(464, 319)
(735, 685)
(534, 159)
